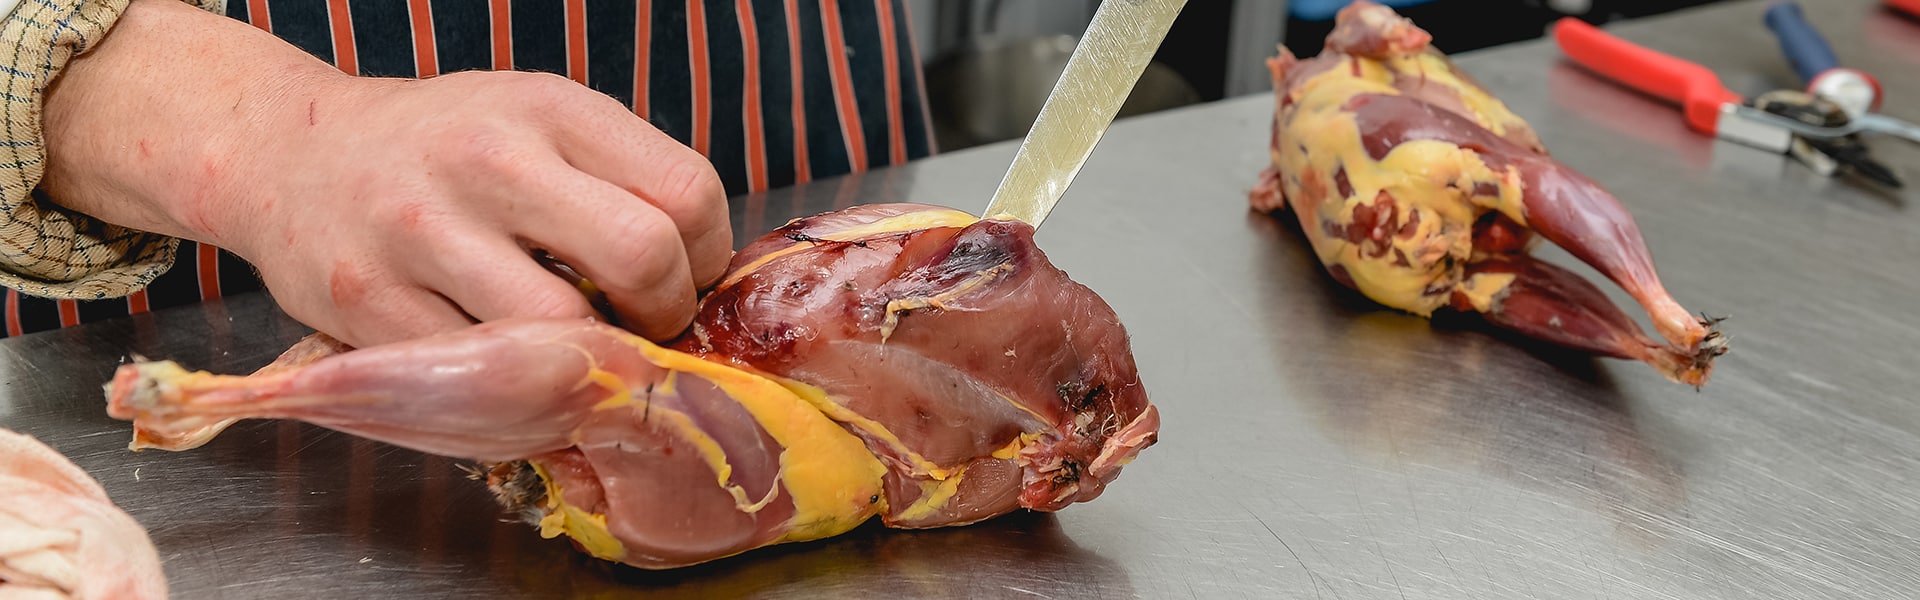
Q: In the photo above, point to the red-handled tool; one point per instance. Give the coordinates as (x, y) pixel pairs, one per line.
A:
(1814, 131)
(1710, 107)
(1697, 89)
(1911, 7)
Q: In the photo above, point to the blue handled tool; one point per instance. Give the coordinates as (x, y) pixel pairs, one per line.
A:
(1836, 97)
(1805, 48)
(1855, 91)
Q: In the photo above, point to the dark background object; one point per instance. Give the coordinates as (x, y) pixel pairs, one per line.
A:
(995, 62)
(1196, 48)
(994, 94)
(991, 63)
(1462, 25)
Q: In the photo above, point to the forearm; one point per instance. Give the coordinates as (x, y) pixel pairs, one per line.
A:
(149, 128)
(45, 249)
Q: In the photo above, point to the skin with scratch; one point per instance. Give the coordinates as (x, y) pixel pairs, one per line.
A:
(1421, 190)
(61, 537)
(1000, 384)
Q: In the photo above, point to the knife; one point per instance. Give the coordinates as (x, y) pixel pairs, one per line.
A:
(1106, 64)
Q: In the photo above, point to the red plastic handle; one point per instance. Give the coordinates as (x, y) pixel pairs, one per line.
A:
(1693, 86)
(1911, 7)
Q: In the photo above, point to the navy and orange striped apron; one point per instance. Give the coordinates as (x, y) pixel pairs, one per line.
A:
(773, 92)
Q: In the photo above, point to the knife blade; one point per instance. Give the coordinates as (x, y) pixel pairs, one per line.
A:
(1100, 74)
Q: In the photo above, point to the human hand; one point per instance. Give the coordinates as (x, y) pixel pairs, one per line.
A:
(384, 209)
(399, 205)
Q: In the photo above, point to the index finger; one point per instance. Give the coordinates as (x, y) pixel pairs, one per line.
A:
(638, 157)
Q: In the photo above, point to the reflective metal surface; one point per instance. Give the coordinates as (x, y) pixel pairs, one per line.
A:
(1314, 446)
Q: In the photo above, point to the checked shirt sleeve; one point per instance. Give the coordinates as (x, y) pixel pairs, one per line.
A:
(47, 250)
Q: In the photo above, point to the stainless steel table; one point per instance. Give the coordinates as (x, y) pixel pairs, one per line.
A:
(1314, 446)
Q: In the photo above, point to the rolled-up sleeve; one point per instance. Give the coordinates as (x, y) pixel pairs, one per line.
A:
(47, 250)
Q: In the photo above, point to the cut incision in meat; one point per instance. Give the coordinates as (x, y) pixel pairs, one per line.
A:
(901, 361)
(1418, 188)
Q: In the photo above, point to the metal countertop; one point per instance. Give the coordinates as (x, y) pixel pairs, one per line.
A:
(1314, 446)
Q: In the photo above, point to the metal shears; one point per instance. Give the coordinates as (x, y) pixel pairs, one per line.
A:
(1790, 122)
(1855, 93)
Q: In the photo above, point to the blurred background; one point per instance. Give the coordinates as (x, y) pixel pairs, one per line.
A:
(991, 63)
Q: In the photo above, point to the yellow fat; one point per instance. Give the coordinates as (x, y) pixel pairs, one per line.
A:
(945, 482)
(1489, 111)
(834, 482)
(1432, 178)
(1482, 288)
(588, 529)
(831, 476)
(618, 395)
(742, 272)
(835, 411)
(913, 221)
(934, 495)
(1014, 447)
(1511, 200)
(711, 451)
(940, 300)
